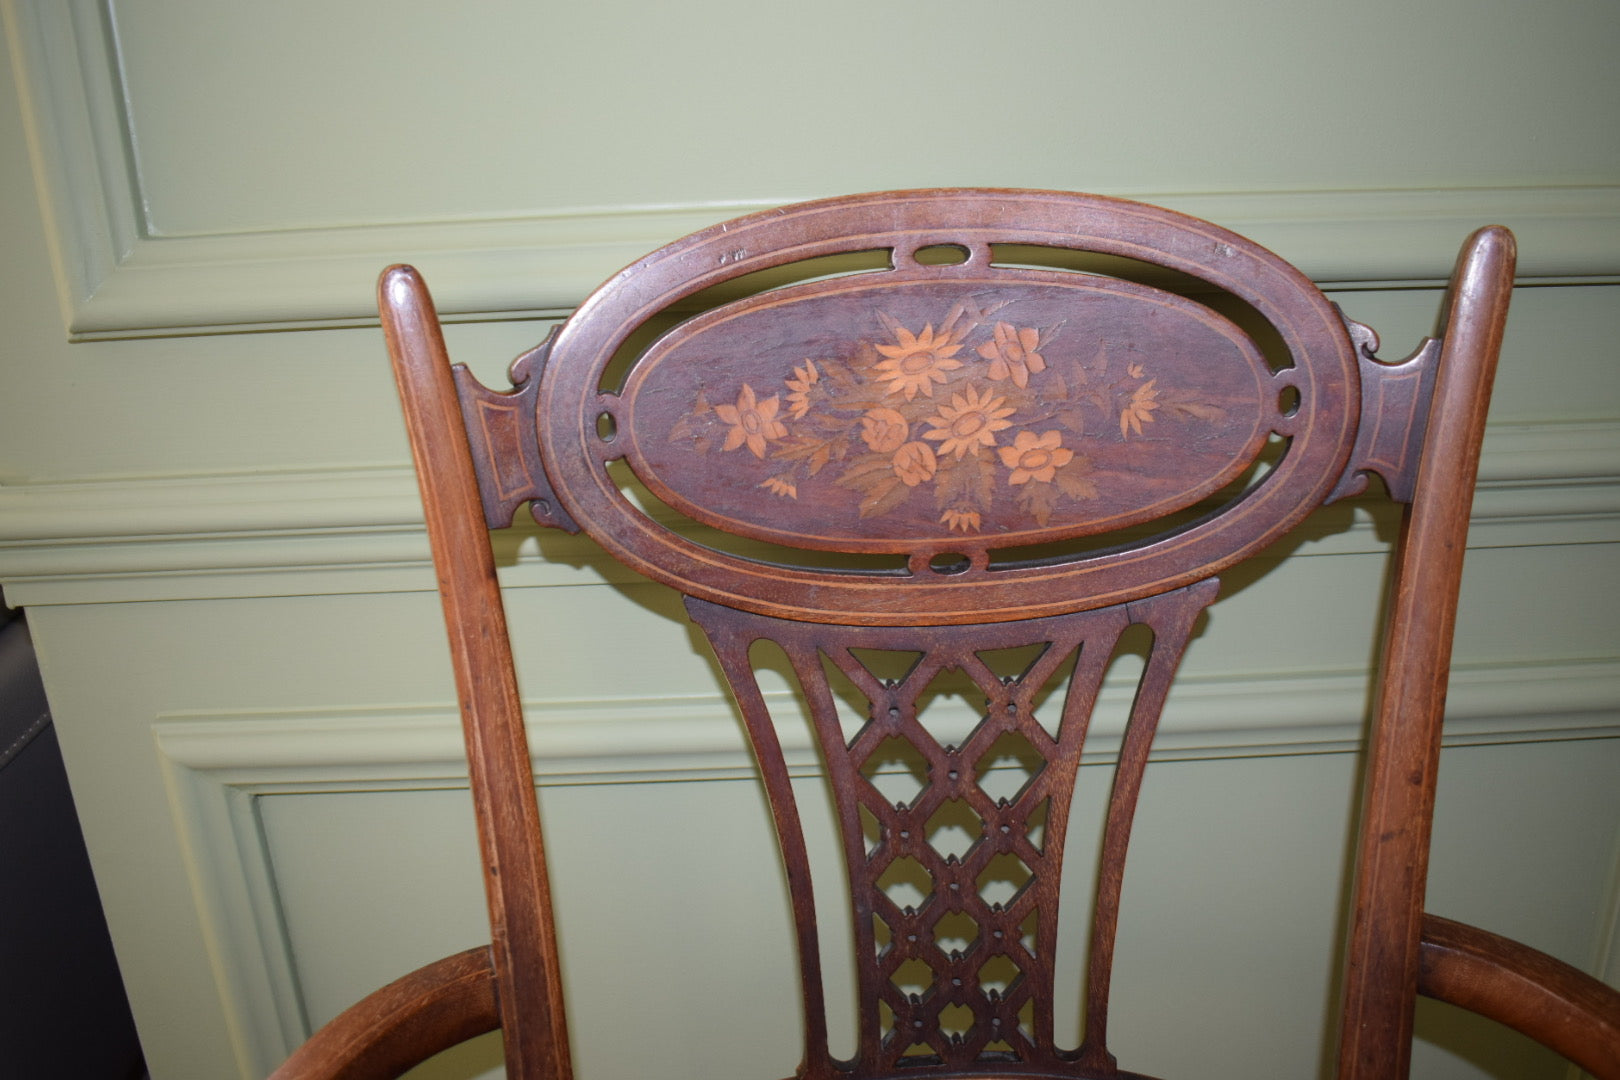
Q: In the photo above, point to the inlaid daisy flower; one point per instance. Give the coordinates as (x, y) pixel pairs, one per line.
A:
(970, 421)
(917, 361)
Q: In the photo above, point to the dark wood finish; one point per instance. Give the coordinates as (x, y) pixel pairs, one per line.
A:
(406, 1022)
(504, 445)
(887, 331)
(1546, 999)
(529, 984)
(869, 452)
(1394, 400)
(1404, 753)
(989, 961)
(1044, 465)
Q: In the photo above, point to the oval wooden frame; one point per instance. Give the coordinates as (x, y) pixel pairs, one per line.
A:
(1325, 374)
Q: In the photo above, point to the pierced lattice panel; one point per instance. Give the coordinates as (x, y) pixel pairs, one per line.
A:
(954, 837)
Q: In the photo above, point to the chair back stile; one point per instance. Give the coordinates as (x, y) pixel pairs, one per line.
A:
(1403, 762)
(523, 950)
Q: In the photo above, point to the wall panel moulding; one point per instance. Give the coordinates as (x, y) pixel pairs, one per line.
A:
(219, 766)
(359, 530)
(121, 277)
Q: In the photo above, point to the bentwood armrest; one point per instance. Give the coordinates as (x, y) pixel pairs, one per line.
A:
(406, 1022)
(1559, 1006)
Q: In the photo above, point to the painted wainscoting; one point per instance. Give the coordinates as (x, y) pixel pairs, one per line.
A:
(206, 506)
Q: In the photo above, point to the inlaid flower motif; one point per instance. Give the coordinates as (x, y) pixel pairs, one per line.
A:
(862, 426)
(1139, 410)
(753, 422)
(781, 485)
(803, 379)
(1035, 457)
(915, 463)
(884, 429)
(916, 361)
(970, 421)
(1012, 355)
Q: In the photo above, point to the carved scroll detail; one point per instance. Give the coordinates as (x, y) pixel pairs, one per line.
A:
(505, 445)
(1394, 416)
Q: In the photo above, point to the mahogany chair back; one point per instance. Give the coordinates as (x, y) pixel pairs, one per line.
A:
(937, 442)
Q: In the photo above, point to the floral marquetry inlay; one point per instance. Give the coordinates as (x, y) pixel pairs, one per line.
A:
(1019, 411)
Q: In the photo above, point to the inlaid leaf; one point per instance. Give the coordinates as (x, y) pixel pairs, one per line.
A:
(1074, 479)
(866, 469)
(884, 496)
(1038, 500)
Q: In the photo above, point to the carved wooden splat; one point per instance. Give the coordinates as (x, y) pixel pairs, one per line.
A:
(955, 934)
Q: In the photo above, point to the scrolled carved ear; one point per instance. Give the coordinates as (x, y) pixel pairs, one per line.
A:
(505, 445)
(1394, 413)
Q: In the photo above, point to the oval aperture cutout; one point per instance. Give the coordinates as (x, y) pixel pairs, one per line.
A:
(978, 412)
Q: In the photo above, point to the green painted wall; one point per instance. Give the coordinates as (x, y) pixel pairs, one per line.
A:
(206, 506)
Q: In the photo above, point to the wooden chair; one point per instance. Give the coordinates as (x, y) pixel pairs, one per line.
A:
(1031, 420)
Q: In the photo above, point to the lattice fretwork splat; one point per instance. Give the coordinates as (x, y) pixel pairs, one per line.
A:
(954, 836)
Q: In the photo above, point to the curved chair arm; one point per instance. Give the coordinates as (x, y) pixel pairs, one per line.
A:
(1559, 1006)
(406, 1022)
